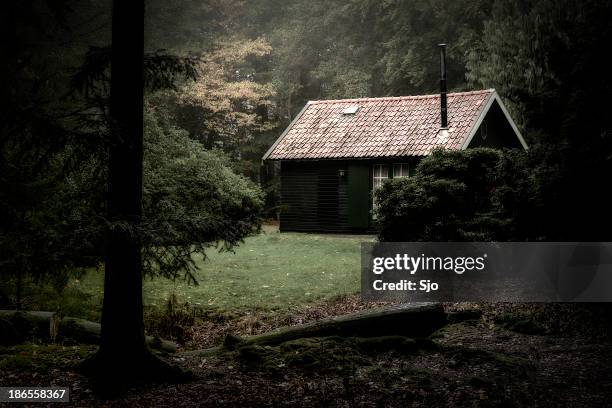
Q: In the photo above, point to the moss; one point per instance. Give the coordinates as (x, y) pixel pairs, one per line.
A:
(323, 354)
(42, 357)
(523, 325)
(251, 353)
(264, 358)
(310, 354)
(231, 341)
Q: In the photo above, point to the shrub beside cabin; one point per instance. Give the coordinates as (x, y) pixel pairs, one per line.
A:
(335, 153)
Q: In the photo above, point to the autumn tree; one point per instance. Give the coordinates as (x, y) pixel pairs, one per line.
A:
(226, 104)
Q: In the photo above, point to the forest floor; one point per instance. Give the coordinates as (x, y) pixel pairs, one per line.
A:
(508, 356)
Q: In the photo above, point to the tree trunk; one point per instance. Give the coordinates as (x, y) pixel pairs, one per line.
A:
(21, 326)
(122, 321)
(124, 358)
(123, 353)
(410, 320)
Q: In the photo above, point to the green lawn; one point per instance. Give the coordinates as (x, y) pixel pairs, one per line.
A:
(271, 271)
(268, 271)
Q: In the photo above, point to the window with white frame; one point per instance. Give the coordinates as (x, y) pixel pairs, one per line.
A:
(400, 170)
(380, 172)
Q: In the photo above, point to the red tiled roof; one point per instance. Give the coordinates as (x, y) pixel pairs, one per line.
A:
(382, 127)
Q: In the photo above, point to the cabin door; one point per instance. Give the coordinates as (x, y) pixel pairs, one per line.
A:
(359, 195)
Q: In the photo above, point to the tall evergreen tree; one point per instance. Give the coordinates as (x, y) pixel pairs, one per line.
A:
(123, 357)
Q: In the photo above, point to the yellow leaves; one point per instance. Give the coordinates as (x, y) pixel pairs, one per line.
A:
(226, 87)
(235, 51)
(249, 90)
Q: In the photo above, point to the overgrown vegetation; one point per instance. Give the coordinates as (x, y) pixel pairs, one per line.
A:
(474, 195)
(490, 195)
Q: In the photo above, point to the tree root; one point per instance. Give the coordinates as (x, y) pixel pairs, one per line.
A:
(112, 374)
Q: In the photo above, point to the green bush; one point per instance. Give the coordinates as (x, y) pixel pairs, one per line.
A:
(486, 195)
(452, 197)
(547, 193)
(191, 200)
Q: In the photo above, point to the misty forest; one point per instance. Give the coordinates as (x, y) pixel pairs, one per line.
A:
(141, 261)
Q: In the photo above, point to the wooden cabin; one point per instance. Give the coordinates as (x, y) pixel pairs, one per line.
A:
(335, 153)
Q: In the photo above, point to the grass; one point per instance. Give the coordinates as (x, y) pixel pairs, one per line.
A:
(270, 271)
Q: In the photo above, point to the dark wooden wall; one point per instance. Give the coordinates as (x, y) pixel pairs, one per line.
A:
(314, 196)
(496, 130)
(328, 195)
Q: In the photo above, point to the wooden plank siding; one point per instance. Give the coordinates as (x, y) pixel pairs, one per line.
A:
(495, 131)
(315, 197)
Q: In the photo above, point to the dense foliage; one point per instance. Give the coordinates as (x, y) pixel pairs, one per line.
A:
(232, 74)
(545, 60)
(470, 195)
(192, 200)
(488, 195)
(54, 147)
(448, 198)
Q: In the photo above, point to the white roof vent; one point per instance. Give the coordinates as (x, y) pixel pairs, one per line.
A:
(442, 135)
(351, 110)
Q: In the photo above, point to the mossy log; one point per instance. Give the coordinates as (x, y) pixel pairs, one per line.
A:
(18, 326)
(410, 320)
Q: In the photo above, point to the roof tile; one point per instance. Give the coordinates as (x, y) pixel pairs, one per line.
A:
(389, 126)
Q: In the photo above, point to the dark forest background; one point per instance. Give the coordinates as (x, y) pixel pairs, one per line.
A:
(223, 78)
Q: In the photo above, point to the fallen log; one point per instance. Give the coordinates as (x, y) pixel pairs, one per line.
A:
(409, 320)
(17, 326)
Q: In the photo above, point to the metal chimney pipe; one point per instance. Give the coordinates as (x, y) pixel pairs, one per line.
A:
(443, 103)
